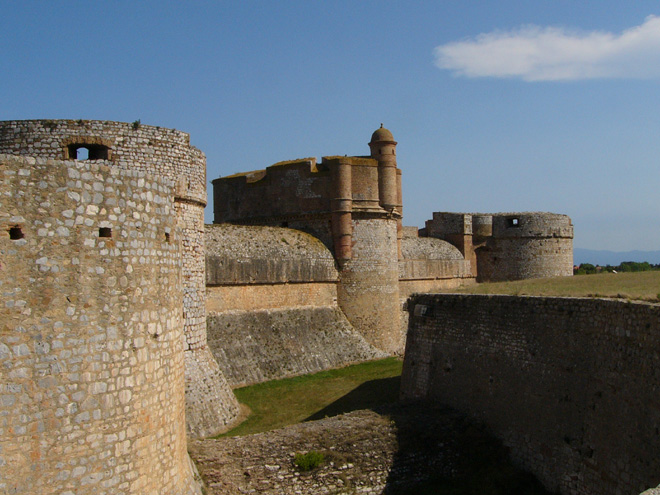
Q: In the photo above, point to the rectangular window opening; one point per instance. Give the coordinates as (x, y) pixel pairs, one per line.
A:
(16, 233)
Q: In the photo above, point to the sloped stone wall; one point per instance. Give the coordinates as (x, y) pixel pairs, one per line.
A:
(261, 345)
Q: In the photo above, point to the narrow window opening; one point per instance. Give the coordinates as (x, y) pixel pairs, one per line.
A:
(167, 237)
(513, 222)
(82, 151)
(16, 233)
(105, 232)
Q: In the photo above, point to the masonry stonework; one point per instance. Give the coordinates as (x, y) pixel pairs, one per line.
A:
(163, 153)
(509, 246)
(107, 273)
(570, 385)
(91, 395)
(272, 299)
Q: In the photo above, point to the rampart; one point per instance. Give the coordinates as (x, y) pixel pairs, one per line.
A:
(568, 384)
(92, 373)
(156, 152)
(352, 204)
(272, 305)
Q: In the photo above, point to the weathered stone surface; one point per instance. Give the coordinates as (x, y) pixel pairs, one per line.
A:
(256, 346)
(241, 255)
(91, 368)
(509, 246)
(156, 153)
(570, 385)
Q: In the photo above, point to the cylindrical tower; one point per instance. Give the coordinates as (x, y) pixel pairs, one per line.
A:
(368, 292)
(210, 403)
(92, 372)
(383, 149)
(527, 245)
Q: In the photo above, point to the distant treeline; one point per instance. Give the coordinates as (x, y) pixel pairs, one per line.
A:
(626, 266)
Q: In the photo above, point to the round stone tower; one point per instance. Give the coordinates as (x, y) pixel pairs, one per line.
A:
(158, 152)
(526, 245)
(91, 366)
(368, 292)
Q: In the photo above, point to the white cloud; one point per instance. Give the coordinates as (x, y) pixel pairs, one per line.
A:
(535, 53)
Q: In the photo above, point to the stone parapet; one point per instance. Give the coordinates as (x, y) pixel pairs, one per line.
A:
(152, 150)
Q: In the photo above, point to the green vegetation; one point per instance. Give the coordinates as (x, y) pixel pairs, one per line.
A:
(136, 124)
(643, 286)
(482, 465)
(626, 266)
(284, 402)
(309, 461)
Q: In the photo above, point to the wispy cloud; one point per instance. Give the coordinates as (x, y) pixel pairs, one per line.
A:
(534, 53)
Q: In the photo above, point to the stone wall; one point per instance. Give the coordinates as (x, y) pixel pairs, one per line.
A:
(260, 345)
(570, 385)
(211, 406)
(272, 300)
(425, 258)
(270, 296)
(241, 255)
(368, 292)
(156, 152)
(92, 380)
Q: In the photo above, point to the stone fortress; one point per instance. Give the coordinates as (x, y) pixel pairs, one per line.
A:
(123, 313)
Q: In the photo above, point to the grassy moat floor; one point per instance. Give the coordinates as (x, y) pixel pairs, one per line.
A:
(483, 465)
(289, 401)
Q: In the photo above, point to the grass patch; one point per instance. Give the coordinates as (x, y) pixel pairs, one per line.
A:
(309, 461)
(643, 286)
(289, 401)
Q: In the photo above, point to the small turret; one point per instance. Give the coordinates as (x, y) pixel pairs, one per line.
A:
(383, 149)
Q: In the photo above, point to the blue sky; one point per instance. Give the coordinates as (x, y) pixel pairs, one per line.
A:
(497, 106)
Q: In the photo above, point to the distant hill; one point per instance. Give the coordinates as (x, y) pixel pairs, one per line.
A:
(596, 257)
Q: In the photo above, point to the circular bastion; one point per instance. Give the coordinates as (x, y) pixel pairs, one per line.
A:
(527, 245)
(156, 152)
(91, 366)
(131, 146)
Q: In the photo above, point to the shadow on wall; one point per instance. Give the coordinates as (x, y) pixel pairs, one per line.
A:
(442, 452)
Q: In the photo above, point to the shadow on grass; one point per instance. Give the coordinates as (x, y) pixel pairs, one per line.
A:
(368, 395)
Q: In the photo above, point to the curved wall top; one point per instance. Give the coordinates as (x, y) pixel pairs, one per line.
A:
(149, 149)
